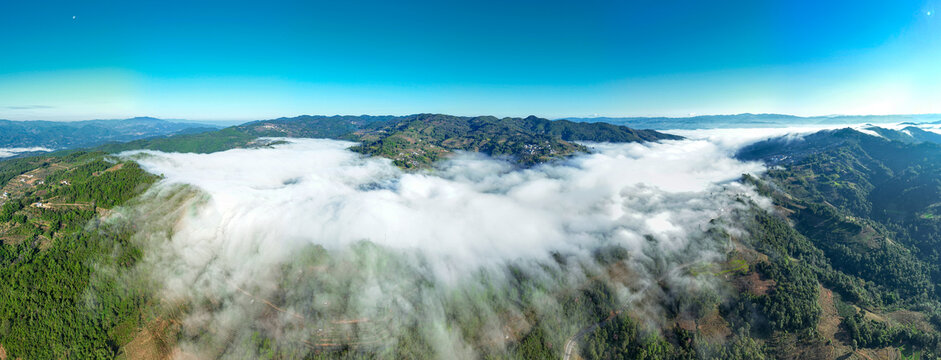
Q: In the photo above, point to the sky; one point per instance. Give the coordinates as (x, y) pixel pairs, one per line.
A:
(238, 60)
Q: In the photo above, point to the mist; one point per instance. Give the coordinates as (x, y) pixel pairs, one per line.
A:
(8, 152)
(312, 246)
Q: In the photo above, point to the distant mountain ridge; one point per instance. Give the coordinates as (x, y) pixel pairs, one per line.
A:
(79, 134)
(786, 150)
(416, 141)
(755, 120)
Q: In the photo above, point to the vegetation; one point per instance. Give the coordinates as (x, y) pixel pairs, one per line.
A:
(871, 334)
(620, 338)
(207, 142)
(419, 140)
(59, 297)
(859, 204)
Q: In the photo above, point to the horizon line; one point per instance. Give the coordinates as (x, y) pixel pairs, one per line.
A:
(693, 115)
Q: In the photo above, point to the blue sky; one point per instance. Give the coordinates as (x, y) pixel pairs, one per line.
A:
(232, 60)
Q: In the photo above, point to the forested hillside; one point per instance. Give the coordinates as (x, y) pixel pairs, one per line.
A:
(60, 293)
(867, 205)
(419, 140)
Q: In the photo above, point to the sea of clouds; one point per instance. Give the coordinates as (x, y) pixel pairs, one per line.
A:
(224, 232)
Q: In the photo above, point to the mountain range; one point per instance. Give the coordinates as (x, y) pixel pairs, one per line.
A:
(417, 141)
(748, 120)
(79, 134)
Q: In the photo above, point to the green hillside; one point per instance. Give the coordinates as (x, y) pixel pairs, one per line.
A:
(56, 253)
(867, 205)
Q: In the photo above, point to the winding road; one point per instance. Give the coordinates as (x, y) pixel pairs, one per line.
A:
(572, 342)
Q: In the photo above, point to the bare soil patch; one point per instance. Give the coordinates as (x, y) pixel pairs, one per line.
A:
(754, 284)
(714, 327)
(155, 341)
(829, 322)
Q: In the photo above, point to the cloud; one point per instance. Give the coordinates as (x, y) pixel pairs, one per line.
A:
(730, 140)
(291, 240)
(8, 152)
(28, 107)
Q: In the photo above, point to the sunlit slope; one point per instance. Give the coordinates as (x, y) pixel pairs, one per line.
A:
(868, 202)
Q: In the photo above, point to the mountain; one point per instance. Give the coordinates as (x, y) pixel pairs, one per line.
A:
(894, 183)
(890, 183)
(419, 140)
(416, 141)
(869, 209)
(754, 120)
(79, 134)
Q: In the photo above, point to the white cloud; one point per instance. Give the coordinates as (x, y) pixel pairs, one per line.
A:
(8, 152)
